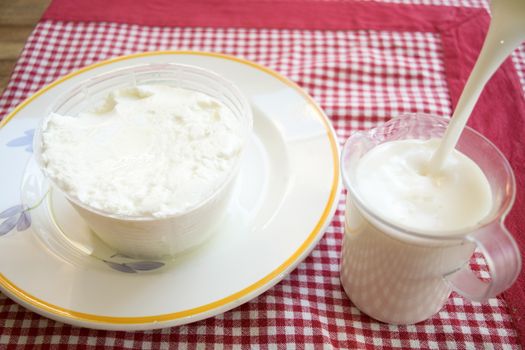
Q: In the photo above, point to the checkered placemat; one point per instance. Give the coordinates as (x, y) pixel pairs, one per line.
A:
(359, 78)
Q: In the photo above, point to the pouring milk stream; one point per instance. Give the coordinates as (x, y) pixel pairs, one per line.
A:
(506, 32)
(417, 207)
(449, 191)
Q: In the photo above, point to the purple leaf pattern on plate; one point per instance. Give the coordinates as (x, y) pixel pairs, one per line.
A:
(17, 216)
(26, 140)
(134, 266)
(24, 221)
(8, 225)
(122, 267)
(145, 265)
(15, 209)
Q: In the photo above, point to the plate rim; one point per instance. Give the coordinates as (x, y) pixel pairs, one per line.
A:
(225, 303)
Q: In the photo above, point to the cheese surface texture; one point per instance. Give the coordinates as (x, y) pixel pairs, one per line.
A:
(150, 150)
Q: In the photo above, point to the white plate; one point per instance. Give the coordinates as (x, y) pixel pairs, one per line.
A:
(285, 196)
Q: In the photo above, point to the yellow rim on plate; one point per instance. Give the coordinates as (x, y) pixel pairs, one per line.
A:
(80, 316)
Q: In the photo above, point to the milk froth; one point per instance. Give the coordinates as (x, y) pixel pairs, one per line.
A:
(392, 181)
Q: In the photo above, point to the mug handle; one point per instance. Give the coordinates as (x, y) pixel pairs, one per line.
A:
(503, 259)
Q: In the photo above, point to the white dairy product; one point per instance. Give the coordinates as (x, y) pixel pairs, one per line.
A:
(392, 277)
(391, 180)
(151, 150)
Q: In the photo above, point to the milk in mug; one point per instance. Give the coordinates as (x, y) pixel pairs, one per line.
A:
(389, 273)
(392, 178)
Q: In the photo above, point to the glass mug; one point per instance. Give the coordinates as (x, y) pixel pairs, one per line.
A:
(402, 277)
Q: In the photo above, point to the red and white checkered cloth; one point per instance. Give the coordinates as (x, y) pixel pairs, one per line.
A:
(359, 78)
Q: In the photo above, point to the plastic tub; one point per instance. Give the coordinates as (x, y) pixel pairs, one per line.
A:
(149, 236)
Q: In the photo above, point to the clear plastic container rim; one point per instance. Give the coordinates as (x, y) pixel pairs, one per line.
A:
(453, 235)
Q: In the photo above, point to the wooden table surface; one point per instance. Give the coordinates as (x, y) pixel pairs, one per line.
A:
(17, 20)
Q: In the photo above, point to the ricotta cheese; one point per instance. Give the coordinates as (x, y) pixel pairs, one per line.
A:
(151, 150)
